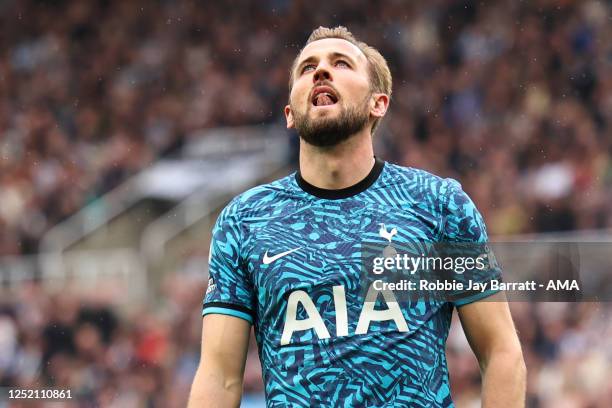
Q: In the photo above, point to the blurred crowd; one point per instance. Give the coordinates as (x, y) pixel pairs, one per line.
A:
(511, 98)
(567, 352)
(79, 341)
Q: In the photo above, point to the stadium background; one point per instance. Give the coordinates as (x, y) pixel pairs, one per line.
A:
(125, 126)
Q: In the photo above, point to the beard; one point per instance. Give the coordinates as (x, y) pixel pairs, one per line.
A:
(328, 132)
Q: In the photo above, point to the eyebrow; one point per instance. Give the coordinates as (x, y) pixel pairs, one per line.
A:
(333, 55)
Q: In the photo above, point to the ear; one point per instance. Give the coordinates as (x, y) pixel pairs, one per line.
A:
(379, 105)
(289, 117)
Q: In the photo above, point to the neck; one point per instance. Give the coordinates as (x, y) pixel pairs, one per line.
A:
(338, 166)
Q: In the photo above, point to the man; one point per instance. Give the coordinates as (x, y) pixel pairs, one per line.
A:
(285, 257)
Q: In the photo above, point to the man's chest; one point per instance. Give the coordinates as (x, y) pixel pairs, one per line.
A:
(323, 246)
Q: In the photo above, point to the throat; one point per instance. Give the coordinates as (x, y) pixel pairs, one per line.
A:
(335, 173)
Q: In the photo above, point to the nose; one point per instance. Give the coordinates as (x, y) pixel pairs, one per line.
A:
(321, 74)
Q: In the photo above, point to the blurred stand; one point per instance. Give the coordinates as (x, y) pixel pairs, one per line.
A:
(110, 306)
(108, 186)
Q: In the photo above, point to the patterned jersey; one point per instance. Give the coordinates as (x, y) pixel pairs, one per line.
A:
(285, 256)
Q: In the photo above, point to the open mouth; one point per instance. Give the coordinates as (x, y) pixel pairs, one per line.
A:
(323, 96)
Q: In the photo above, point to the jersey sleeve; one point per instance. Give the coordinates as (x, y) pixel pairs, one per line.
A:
(230, 290)
(465, 231)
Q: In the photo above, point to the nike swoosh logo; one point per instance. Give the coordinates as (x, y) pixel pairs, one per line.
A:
(269, 259)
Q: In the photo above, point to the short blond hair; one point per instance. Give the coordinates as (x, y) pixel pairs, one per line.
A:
(380, 76)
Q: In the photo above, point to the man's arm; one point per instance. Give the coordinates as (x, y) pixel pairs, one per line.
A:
(218, 380)
(489, 329)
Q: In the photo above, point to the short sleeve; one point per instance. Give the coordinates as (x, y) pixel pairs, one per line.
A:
(464, 228)
(230, 291)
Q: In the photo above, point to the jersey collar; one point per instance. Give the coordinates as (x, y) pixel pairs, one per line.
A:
(343, 192)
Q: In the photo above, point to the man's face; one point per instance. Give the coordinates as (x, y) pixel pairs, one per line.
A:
(331, 96)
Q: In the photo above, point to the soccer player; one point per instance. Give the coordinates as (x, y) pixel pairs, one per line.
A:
(285, 258)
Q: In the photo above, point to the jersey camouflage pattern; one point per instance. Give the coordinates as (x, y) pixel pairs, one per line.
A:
(285, 256)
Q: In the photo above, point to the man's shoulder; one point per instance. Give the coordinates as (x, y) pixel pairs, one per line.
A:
(411, 172)
(263, 196)
(419, 181)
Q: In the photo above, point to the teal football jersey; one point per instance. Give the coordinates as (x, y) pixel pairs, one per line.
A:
(286, 257)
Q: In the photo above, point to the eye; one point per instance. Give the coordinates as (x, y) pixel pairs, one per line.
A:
(342, 63)
(307, 67)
